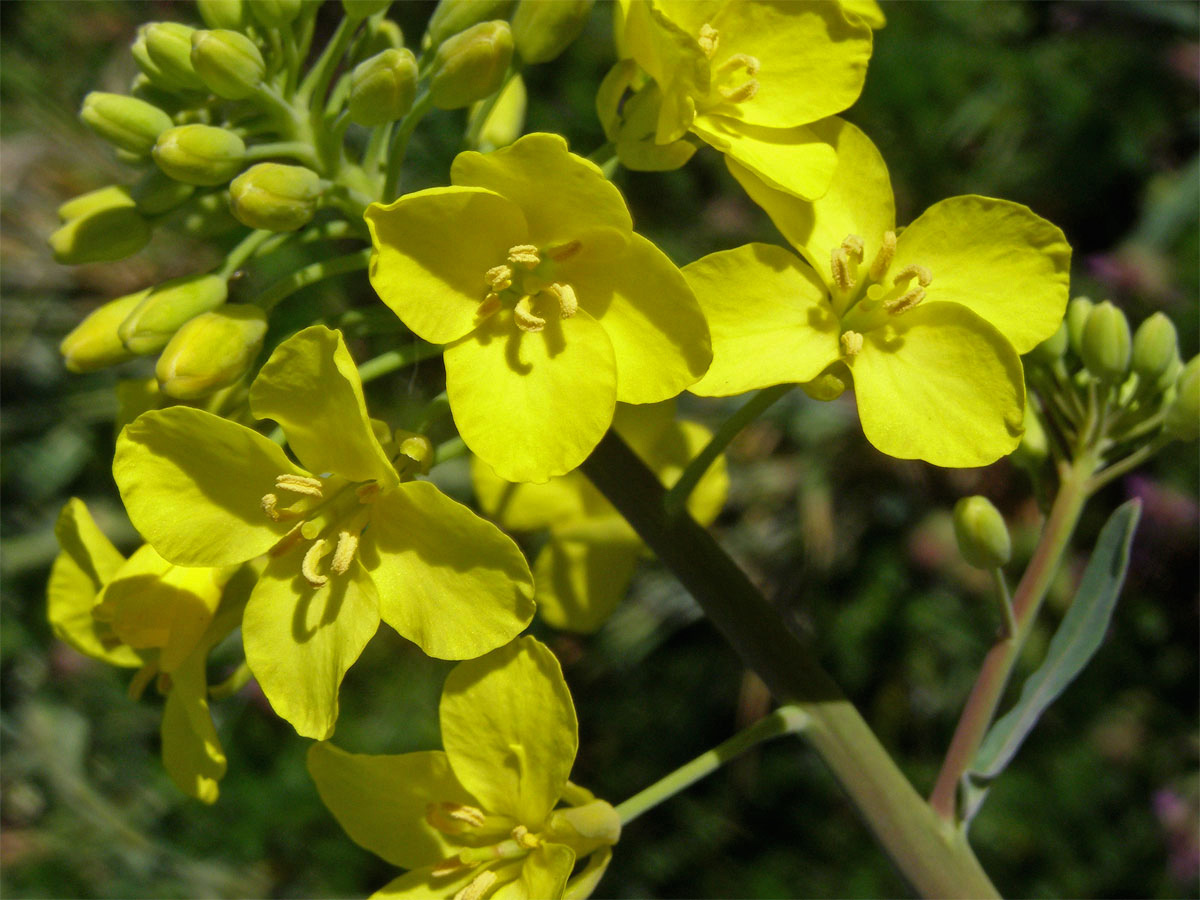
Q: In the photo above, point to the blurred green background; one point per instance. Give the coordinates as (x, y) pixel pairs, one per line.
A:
(1086, 112)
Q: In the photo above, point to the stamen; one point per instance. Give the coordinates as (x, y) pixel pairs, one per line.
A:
(524, 255)
(344, 554)
(448, 865)
(479, 886)
(312, 557)
(524, 317)
(568, 303)
(883, 259)
(922, 274)
(490, 306)
(453, 818)
(499, 278)
(521, 835)
(853, 245)
(741, 61)
(268, 505)
(299, 484)
(852, 343)
(741, 93)
(905, 302)
(839, 268)
(708, 40)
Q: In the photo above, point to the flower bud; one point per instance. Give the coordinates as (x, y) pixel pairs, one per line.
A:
(156, 194)
(417, 448)
(982, 535)
(1155, 347)
(630, 121)
(275, 13)
(231, 14)
(211, 351)
(506, 120)
(228, 62)
(470, 65)
(168, 306)
(382, 88)
(360, 9)
(381, 35)
(125, 122)
(541, 30)
(1183, 415)
(1051, 350)
(93, 343)
(453, 16)
(1106, 343)
(829, 385)
(105, 227)
(1078, 311)
(275, 197)
(169, 46)
(199, 154)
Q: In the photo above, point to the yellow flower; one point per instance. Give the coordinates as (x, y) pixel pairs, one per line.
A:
(351, 538)
(552, 308)
(928, 322)
(480, 818)
(745, 76)
(584, 568)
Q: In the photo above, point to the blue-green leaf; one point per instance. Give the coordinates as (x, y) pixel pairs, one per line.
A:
(1076, 641)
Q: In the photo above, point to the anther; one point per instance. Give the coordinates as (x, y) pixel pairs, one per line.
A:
(568, 303)
(344, 554)
(524, 255)
(479, 886)
(299, 484)
(521, 835)
(742, 93)
(453, 818)
(853, 245)
(905, 302)
(708, 40)
(499, 278)
(524, 317)
(268, 505)
(922, 274)
(840, 269)
(741, 61)
(448, 865)
(308, 568)
(883, 259)
(851, 342)
(490, 306)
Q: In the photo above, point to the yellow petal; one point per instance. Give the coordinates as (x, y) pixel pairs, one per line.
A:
(532, 405)
(942, 385)
(794, 160)
(432, 250)
(768, 316)
(580, 580)
(191, 750)
(544, 873)
(528, 507)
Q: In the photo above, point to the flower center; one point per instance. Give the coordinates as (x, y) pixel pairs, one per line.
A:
(865, 300)
(492, 840)
(525, 283)
(733, 80)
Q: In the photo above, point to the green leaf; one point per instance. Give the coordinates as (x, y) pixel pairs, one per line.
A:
(1076, 641)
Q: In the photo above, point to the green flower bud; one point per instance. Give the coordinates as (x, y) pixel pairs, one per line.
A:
(382, 88)
(228, 62)
(229, 14)
(417, 448)
(169, 46)
(199, 154)
(470, 65)
(1183, 415)
(1052, 349)
(541, 30)
(211, 351)
(156, 194)
(1106, 343)
(167, 307)
(1155, 347)
(275, 197)
(982, 535)
(208, 216)
(382, 35)
(1078, 311)
(93, 343)
(106, 227)
(506, 120)
(360, 9)
(275, 13)
(453, 16)
(830, 384)
(125, 122)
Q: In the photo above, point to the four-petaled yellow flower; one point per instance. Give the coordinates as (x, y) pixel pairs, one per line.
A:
(584, 568)
(746, 76)
(481, 818)
(351, 538)
(552, 307)
(928, 321)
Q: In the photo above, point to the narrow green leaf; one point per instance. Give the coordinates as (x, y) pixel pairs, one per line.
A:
(1076, 641)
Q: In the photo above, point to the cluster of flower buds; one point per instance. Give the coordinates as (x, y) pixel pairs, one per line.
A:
(1101, 391)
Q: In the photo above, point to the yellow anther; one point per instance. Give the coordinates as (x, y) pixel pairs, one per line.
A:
(499, 278)
(344, 554)
(479, 886)
(853, 245)
(839, 268)
(299, 484)
(905, 302)
(852, 343)
(268, 505)
(453, 818)
(448, 865)
(708, 40)
(568, 303)
(524, 317)
(883, 259)
(524, 255)
(922, 274)
(521, 835)
(741, 61)
(312, 557)
(741, 93)
(490, 306)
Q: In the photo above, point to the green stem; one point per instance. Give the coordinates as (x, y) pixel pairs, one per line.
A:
(677, 496)
(389, 362)
(1008, 623)
(932, 854)
(381, 136)
(1132, 461)
(297, 150)
(242, 252)
(997, 666)
(403, 132)
(451, 449)
(239, 679)
(785, 720)
(318, 271)
(316, 82)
